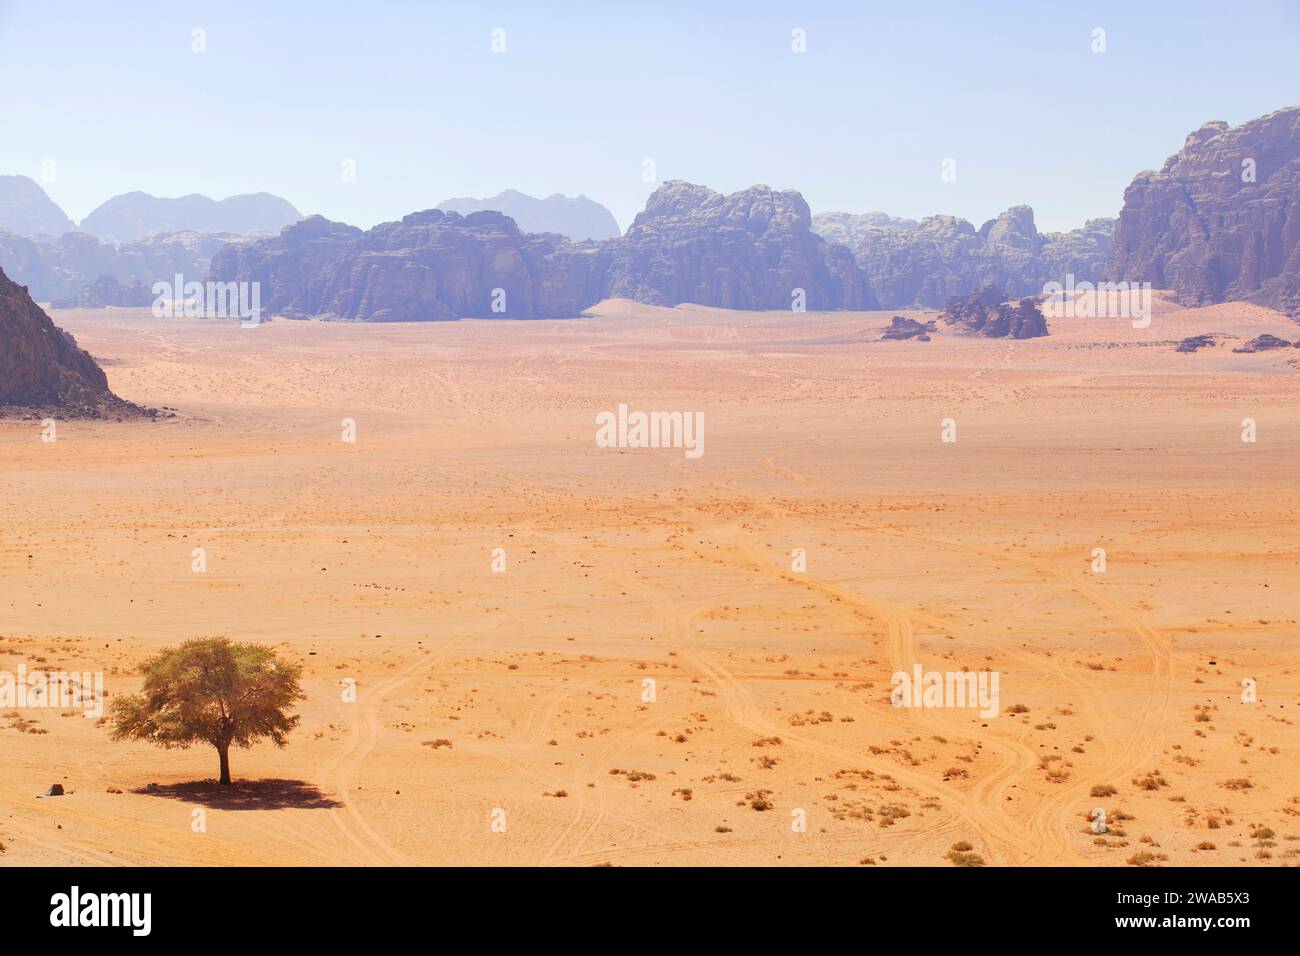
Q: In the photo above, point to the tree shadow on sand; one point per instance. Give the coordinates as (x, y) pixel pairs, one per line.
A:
(271, 794)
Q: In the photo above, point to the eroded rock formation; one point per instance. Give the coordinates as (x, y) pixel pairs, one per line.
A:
(42, 368)
(1220, 220)
(750, 250)
(924, 264)
(985, 313)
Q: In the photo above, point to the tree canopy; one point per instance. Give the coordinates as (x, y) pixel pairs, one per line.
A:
(211, 690)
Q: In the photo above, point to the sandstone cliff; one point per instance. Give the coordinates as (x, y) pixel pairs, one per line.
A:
(431, 266)
(42, 368)
(1221, 219)
(751, 250)
(924, 264)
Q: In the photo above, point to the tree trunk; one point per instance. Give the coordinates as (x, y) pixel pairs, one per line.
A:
(224, 751)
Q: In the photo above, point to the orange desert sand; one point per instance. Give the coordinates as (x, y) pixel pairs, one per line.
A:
(523, 691)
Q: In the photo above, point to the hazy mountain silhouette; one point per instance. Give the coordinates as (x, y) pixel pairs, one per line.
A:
(26, 210)
(137, 214)
(578, 218)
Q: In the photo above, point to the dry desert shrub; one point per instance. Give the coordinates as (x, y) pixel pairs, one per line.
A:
(891, 812)
(961, 855)
(633, 776)
(1146, 858)
(1152, 781)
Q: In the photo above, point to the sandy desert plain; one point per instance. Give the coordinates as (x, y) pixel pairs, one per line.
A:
(523, 690)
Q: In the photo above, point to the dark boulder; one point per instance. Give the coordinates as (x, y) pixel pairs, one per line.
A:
(1194, 342)
(901, 328)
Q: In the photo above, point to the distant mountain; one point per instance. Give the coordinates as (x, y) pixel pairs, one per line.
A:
(25, 210)
(137, 214)
(431, 266)
(927, 263)
(1221, 219)
(578, 219)
(751, 250)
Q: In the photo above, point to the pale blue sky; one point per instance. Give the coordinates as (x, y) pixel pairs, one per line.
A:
(585, 91)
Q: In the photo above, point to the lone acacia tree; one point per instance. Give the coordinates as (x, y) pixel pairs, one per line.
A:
(211, 690)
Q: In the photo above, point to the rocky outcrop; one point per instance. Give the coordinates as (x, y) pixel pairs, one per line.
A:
(134, 215)
(289, 264)
(26, 210)
(1195, 342)
(985, 313)
(431, 266)
(924, 264)
(42, 368)
(1220, 220)
(901, 328)
(58, 269)
(1262, 343)
(576, 218)
(750, 250)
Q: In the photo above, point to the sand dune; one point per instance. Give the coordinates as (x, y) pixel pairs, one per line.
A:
(523, 691)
